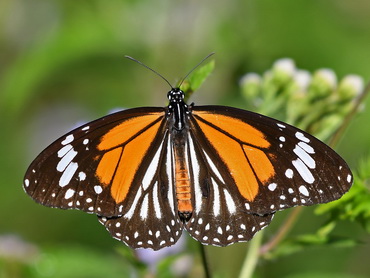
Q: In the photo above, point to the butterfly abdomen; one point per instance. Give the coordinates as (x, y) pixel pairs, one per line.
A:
(182, 182)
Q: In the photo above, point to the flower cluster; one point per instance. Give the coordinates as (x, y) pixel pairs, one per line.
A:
(315, 102)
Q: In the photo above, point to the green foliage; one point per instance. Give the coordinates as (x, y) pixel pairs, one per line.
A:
(196, 79)
(66, 261)
(355, 205)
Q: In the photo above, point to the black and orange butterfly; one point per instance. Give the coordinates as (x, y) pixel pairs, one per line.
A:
(219, 172)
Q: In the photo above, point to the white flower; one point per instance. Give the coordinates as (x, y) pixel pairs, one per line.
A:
(302, 79)
(250, 78)
(285, 65)
(328, 76)
(353, 82)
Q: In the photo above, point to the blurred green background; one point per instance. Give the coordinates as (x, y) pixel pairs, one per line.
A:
(61, 64)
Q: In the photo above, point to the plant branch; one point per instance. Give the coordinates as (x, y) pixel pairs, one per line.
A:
(252, 256)
(346, 121)
(282, 232)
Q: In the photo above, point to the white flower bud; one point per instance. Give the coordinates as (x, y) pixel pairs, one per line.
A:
(328, 76)
(248, 78)
(285, 65)
(302, 78)
(353, 83)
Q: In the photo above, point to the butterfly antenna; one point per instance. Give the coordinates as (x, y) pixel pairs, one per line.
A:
(137, 61)
(205, 58)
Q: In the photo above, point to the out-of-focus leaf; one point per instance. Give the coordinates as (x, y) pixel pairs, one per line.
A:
(296, 244)
(78, 262)
(196, 79)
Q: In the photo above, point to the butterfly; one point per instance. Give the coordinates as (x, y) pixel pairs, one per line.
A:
(218, 172)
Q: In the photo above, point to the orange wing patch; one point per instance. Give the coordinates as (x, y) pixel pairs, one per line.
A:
(119, 165)
(247, 164)
(261, 164)
(126, 130)
(108, 165)
(237, 128)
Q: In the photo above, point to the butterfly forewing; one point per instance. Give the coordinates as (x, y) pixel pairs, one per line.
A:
(272, 165)
(92, 167)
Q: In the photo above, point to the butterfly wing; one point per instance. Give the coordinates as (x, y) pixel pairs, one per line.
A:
(246, 166)
(151, 220)
(266, 164)
(219, 217)
(117, 167)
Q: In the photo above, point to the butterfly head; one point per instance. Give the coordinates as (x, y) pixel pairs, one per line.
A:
(176, 95)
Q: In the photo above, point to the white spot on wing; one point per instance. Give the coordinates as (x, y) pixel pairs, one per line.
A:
(303, 190)
(289, 173)
(68, 174)
(69, 193)
(26, 182)
(213, 167)
(195, 166)
(98, 189)
(157, 207)
(272, 186)
(170, 176)
(144, 208)
(349, 178)
(67, 159)
(131, 211)
(216, 202)
(305, 157)
(302, 137)
(67, 140)
(306, 147)
(303, 171)
(64, 150)
(81, 176)
(229, 202)
(152, 169)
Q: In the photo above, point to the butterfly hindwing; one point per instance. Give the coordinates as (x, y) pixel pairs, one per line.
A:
(92, 167)
(151, 219)
(273, 165)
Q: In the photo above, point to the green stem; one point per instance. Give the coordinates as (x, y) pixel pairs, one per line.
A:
(338, 134)
(252, 256)
(203, 255)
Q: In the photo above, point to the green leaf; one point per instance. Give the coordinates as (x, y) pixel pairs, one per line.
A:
(196, 79)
